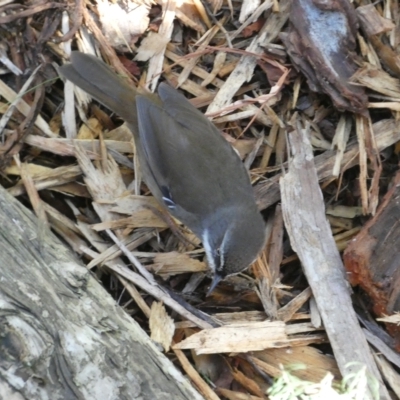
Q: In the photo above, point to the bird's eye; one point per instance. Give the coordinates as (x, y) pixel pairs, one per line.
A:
(218, 252)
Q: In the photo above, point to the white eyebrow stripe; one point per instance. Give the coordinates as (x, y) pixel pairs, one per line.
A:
(208, 249)
(222, 248)
(221, 259)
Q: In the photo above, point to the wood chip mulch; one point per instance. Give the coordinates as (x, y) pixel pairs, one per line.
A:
(309, 96)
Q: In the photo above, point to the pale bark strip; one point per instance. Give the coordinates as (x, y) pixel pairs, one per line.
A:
(311, 237)
(64, 337)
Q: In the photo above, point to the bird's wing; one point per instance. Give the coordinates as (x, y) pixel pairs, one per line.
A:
(188, 158)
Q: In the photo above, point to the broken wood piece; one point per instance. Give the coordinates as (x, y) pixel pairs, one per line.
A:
(390, 374)
(321, 44)
(374, 26)
(161, 325)
(286, 312)
(236, 338)
(311, 237)
(172, 263)
(372, 22)
(314, 364)
(44, 177)
(248, 7)
(144, 218)
(105, 184)
(378, 80)
(65, 147)
(372, 258)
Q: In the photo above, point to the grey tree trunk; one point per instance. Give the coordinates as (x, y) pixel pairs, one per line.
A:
(61, 334)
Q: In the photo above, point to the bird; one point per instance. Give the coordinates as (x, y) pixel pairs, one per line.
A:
(193, 172)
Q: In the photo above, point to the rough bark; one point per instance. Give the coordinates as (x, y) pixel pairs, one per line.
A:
(372, 258)
(62, 336)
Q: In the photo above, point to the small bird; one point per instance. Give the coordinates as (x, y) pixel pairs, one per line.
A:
(188, 166)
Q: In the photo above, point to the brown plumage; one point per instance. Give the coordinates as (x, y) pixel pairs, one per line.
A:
(186, 163)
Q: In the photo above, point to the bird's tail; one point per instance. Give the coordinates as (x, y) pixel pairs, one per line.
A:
(96, 78)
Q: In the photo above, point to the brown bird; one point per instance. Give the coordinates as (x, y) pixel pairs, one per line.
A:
(188, 166)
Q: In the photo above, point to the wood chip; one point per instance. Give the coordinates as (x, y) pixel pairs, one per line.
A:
(161, 325)
(236, 338)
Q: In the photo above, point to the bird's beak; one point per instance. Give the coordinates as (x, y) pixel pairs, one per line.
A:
(216, 279)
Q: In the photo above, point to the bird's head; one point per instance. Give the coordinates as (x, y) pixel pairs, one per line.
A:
(233, 243)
